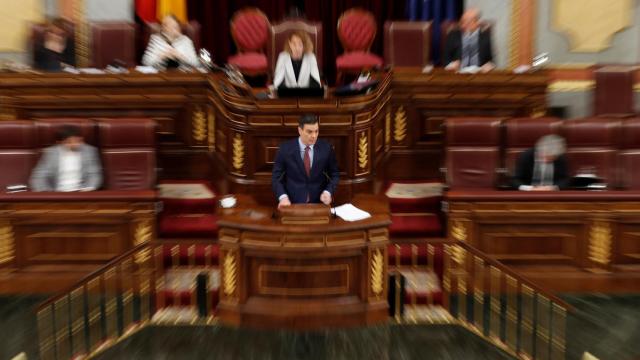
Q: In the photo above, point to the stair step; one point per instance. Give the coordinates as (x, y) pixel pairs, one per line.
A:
(189, 226)
(419, 225)
(414, 196)
(187, 197)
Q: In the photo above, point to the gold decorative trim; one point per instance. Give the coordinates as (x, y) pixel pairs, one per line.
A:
(571, 86)
(230, 273)
(198, 125)
(143, 232)
(7, 243)
(238, 152)
(600, 242)
(514, 46)
(458, 231)
(83, 52)
(387, 130)
(400, 125)
(571, 66)
(363, 151)
(377, 272)
(211, 130)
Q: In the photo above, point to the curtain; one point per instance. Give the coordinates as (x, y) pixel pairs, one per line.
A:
(215, 16)
(437, 11)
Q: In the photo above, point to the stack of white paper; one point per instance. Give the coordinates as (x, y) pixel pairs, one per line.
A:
(146, 69)
(348, 212)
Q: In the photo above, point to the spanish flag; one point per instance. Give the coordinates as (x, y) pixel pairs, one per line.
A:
(175, 7)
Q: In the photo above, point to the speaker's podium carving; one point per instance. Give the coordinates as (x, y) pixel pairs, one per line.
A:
(302, 268)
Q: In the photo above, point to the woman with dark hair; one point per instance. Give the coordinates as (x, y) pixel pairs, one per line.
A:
(170, 48)
(57, 48)
(297, 66)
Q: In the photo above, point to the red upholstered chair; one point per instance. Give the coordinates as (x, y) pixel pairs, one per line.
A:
(472, 152)
(629, 155)
(128, 153)
(47, 130)
(18, 153)
(522, 134)
(407, 43)
(592, 146)
(250, 32)
(113, 40)
(356, 31)
(281, 31)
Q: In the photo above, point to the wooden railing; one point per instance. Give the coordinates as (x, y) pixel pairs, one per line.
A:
(492, 301)
(114, 301)
(479, 293)
(104, 306)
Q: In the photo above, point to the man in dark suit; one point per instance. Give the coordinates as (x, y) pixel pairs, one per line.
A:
(305, 169)
(469, 44)
(543, 167)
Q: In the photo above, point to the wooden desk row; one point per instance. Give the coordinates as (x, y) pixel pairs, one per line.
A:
(51, 240)
(210, 130)
(565, 241)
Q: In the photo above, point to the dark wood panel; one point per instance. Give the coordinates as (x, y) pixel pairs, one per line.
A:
(303, 276)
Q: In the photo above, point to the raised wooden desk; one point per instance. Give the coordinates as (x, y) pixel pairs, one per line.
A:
(305, 275)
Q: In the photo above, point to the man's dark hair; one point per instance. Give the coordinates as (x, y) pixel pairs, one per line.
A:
(307, 119)
(67, 131)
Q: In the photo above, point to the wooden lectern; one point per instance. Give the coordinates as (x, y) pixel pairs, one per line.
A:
(302, 268)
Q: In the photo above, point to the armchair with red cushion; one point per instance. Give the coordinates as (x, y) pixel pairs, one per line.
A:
(407, 43)
(18, 152)
(356, 32)
(250, 32)
(128, 153)
(104, 34)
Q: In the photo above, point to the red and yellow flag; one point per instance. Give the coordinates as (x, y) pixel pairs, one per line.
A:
(175, 7)
(146, 10)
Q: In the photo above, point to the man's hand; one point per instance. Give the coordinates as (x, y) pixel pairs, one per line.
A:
(487, 67)
(284, 202)
(545, 188)
(325, 197)
(453, 66)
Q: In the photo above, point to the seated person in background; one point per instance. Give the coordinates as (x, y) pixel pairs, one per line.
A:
(71, 165)
(305, 169)
(57, 48)
(170, 49)
(543, 167)
(468, 45)
(297, 66)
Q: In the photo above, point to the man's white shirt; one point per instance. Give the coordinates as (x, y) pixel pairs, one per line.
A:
(69, 172)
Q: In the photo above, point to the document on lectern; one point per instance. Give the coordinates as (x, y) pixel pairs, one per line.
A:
(348, 212)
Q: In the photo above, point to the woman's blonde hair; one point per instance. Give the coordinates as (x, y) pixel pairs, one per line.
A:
(306, 41)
